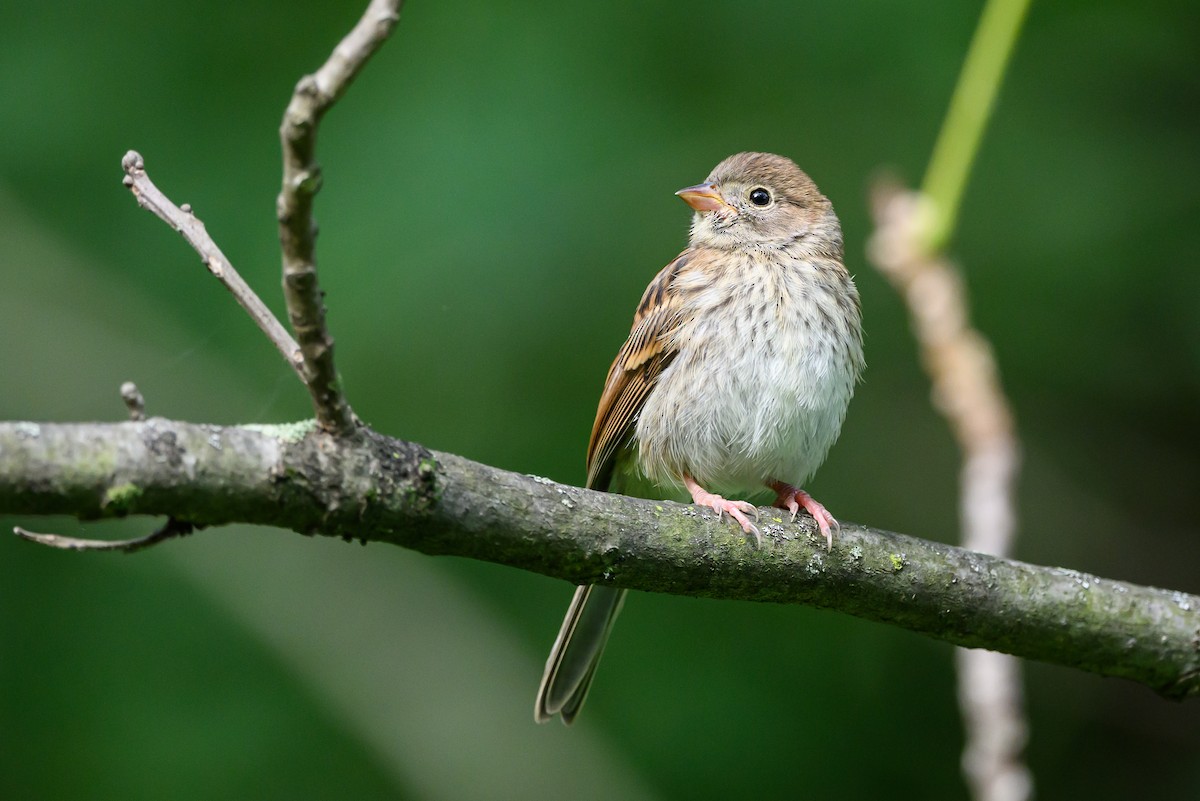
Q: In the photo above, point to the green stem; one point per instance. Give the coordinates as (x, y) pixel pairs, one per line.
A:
(972, 103)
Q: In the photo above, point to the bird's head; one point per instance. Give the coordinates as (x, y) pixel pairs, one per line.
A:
(760, 200)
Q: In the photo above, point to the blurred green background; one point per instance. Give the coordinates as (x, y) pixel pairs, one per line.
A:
(498, 191)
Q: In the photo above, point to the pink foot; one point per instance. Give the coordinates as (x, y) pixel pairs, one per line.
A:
(735, 509)
(792, 498)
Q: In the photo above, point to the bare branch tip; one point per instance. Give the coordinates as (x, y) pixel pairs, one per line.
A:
(132, 162)
(134, 401)
(884, 187)
(31, 536)
(169, 530)
(60, 542)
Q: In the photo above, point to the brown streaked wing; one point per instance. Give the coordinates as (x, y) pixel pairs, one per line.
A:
(639, 362)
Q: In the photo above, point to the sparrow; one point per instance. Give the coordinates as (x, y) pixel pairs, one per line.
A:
(735, 378)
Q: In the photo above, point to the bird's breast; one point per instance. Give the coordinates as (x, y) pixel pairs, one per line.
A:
(765, 365)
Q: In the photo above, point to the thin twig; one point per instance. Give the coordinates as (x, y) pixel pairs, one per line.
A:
(170, 530)
(186, 223)
(966, 389)
(912, 231)
(315, 94)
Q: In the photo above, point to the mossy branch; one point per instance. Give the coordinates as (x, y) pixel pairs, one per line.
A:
(376, 489)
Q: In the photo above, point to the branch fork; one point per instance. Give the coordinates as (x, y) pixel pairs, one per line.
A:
(311, 357)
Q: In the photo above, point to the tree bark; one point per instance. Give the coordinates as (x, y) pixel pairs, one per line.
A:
(372, 488)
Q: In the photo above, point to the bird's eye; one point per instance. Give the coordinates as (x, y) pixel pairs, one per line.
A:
(760, 196)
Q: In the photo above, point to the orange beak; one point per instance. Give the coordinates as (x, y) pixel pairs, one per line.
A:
(704, 197)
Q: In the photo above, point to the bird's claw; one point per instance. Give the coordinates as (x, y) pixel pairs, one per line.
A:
(793, 498)
(735, 509)
(738, 511)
